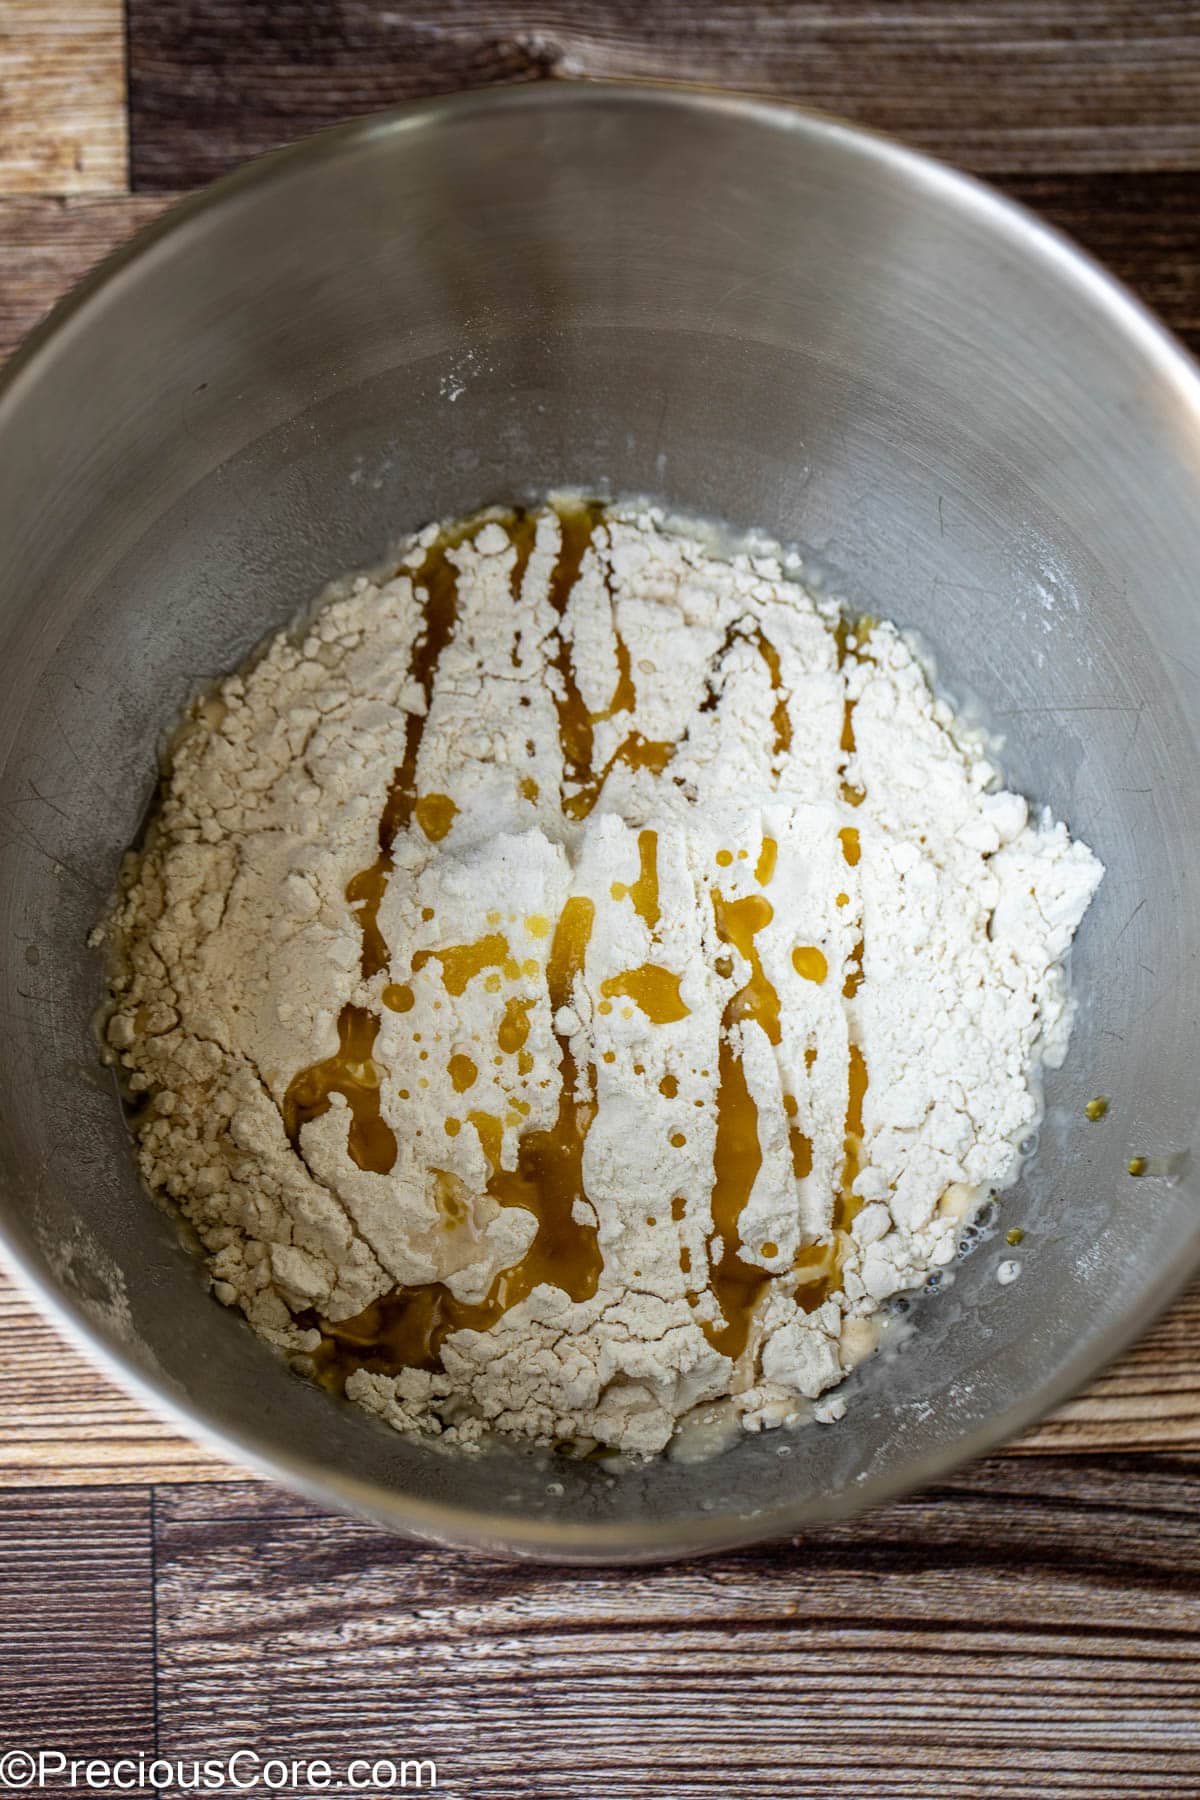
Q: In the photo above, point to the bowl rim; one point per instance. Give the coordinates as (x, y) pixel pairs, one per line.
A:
(545, 1539)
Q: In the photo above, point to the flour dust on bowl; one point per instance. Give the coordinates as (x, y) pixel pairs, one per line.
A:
(754, 316)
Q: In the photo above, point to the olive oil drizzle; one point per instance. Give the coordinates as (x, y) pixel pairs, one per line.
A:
(407, 1327)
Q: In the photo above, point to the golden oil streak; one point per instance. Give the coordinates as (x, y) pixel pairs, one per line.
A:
(644, 890)
(407, 1327)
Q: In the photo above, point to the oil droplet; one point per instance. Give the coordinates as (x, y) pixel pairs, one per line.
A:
(655, 990)
(842, 900)
(461, 962)
(848, 1203)
(738, 923)
(538, 926)
(365, 893)
(462, 1072)
(514, 1026)
(522, 531)
(685, 1260)
(644, 891)
(529, 789)
(854, 973)
(768, 1250)
(1015, 1236)
(780, 722)
(764, 868)
(398, 996)
(799, 1143)
(435, 815)
(624, 697)
(1096, 1109)
(724, 858)
(678, 1208)
(637, 752)
(490, 1131)
(437, 581)
(851, 849)
(668, 1087)
(809, 963)
(853, 796)
(453, 1127)
(678, 1139)
(1138, 1165)
(737, 1158)
(817, 1265)
(577, 525)
(350, 1072)
(406, 1329)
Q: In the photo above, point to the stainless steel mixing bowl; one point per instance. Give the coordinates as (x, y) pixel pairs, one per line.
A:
(757, 314)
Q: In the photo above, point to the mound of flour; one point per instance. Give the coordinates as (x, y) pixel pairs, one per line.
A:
(578, 980)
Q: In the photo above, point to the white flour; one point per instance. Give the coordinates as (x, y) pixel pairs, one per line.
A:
(697, 1001)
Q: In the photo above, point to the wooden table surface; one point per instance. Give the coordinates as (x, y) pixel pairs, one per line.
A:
(1031, 1627)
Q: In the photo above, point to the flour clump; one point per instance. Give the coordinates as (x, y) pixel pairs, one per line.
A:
(579, 979)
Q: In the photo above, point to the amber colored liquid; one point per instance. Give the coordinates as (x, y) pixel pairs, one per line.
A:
(514, 1026)
(738, 923)
(462, 962)
(810, 962)
(407, 1327)
(737, 1154)
(737, 1158)
(654, 989)
(764, 868)
(350, 1072)
(644, 891)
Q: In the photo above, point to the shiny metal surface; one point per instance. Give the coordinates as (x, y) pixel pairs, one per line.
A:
(756, 314)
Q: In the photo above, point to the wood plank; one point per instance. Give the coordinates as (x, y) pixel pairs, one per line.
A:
(1032, 1629)
(1014, 85)
(64, 1424)
(46, 245)
(1145, 228)
(62, 97)
(76, 1623)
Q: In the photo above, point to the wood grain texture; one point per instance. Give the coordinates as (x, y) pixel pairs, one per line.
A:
(64, 1424)
(1029, 85)
(47, 244)
(76, 1623)
(62, 97)
(1032, 1629)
